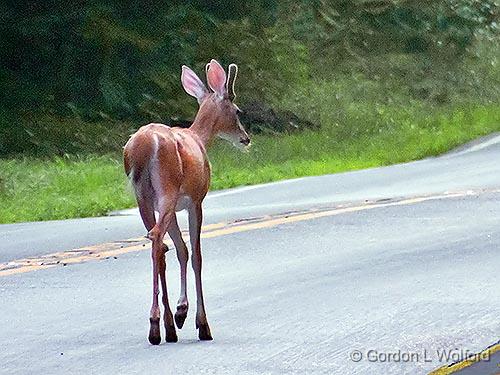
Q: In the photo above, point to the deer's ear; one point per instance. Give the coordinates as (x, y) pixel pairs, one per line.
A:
(216, 77)
(192, 84)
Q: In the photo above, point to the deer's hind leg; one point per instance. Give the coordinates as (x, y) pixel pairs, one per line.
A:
(170, 334)
(166, 208)
(182, 256)
(145, 198)
(165, 177)
(144, 195)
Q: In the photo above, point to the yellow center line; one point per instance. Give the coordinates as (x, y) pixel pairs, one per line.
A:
(113, 249)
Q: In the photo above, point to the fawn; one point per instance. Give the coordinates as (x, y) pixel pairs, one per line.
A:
(170, 171)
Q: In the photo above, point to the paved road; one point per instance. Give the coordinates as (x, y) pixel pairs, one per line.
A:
(472, 168)
(414, 279)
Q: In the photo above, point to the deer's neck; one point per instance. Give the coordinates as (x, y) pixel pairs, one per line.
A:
(204, 125)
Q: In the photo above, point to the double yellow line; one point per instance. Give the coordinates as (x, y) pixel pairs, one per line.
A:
(113, 249)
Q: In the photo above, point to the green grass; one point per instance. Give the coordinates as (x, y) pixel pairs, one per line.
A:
(388, 137)
(34, 189)
(80, 186)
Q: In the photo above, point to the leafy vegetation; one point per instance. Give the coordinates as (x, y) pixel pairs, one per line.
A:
(385, 81)
(119, 61)
(79, 186)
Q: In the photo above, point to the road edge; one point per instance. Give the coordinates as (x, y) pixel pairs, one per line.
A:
(468, 362)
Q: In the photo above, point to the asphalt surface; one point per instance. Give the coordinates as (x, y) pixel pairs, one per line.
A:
(401, 289)
(476, 167)
(491, 365)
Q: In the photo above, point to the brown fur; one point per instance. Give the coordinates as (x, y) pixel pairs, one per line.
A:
(169, 170)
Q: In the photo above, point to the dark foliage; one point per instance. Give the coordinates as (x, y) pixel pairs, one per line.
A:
(95, 61)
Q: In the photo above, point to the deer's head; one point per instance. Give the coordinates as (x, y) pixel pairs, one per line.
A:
(218, 103)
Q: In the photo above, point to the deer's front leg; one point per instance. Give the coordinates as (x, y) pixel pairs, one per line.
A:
(195, 219)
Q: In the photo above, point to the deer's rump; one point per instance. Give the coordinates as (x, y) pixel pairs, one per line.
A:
(152, 162)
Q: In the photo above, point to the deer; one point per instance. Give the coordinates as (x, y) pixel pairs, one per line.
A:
(169, 171)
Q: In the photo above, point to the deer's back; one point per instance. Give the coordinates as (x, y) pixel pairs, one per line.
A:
(167, 158)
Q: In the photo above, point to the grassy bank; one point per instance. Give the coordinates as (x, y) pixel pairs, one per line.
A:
(80, 186)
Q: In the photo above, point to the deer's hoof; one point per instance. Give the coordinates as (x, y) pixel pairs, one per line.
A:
(180, 315)
(154, 331)
(204, 332)
(179, 320)
(165, 248)
(170, 334)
